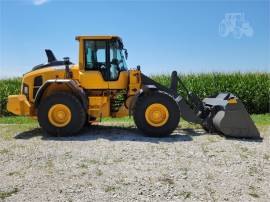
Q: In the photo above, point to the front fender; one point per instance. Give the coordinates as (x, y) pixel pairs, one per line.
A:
(71, 84)
(143, 90)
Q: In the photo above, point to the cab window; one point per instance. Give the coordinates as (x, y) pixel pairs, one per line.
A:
(95, 55)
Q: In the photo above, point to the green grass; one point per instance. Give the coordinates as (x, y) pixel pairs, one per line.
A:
(27, 120)
(115, 120)
(259, 119)
(16, 120)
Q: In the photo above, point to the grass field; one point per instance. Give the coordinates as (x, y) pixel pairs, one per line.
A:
(259, 119)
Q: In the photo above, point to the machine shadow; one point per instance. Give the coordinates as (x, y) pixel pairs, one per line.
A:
(123, 133)
(111, 133)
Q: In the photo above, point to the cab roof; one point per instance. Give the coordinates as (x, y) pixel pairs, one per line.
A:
(97, 37)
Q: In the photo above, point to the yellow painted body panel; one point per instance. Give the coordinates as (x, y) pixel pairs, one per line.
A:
(88, 80)
(134, 81)
(47, 73)
(99, 106)
(18, 104)
(121, 83)
(81, 55)
(92, 80)
(75, 71)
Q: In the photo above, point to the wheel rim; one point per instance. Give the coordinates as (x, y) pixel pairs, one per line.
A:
(156, 115)
(59, 115)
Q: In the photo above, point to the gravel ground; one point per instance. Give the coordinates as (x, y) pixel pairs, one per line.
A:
(119, 164)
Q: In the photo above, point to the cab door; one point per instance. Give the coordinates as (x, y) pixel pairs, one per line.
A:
(95, 71)
(104, 67)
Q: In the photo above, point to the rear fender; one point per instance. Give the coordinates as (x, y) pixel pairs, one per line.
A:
(64, 85)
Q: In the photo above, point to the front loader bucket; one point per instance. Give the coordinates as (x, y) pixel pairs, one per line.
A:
(230, 117)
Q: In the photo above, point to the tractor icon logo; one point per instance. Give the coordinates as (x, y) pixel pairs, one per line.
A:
(236, 25)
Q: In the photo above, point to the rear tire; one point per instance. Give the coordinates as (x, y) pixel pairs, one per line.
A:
(169, 111)
(61, 114)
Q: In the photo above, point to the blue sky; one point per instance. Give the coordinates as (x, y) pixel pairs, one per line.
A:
(161, 36)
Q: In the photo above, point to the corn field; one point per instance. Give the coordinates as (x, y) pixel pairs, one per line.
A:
(8, 87)
(252, 88)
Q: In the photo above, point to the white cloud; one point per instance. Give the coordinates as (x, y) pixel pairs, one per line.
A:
(39, 2)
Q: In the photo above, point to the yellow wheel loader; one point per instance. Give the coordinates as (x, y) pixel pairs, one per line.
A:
(64, 96)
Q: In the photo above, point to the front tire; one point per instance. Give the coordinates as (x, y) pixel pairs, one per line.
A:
(61, 114)
(156, 114)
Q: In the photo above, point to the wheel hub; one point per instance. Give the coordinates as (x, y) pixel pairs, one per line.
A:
(156, 114)
(59, 115)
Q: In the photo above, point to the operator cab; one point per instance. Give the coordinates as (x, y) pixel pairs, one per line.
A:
(105, 54)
